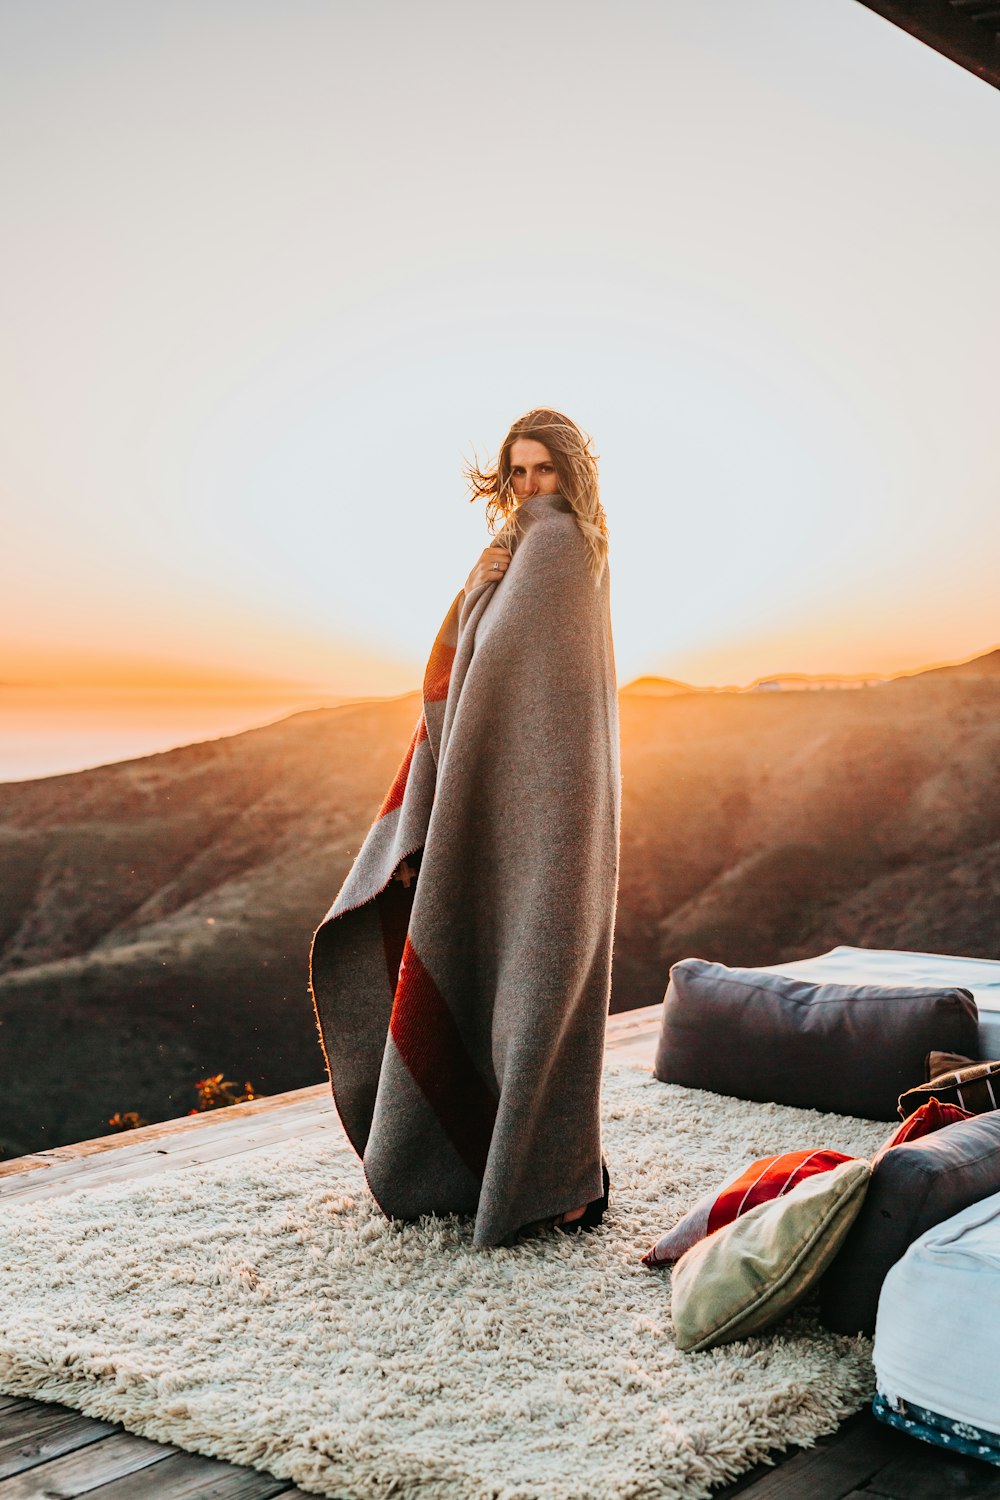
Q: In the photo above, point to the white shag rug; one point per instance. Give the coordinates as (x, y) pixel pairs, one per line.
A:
(261, 1310)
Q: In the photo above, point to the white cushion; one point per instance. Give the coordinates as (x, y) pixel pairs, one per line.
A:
(938, 1323)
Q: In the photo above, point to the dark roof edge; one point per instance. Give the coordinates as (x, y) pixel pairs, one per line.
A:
(953, 30)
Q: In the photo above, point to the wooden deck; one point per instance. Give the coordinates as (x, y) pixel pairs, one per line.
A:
(50, 1452)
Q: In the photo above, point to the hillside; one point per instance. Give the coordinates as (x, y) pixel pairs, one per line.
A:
(155, 915)
(659, 687)
(986, 665)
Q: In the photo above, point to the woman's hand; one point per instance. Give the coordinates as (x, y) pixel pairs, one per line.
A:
(484, 571)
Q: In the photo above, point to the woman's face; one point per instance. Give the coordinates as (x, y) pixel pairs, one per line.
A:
(532, 471)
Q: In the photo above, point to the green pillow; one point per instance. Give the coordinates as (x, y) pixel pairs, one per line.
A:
(750, 1273)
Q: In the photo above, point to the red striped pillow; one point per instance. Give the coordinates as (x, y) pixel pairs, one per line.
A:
(760, 1182)
(929, 1117)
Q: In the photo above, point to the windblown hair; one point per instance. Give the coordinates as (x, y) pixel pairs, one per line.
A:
(576, 470)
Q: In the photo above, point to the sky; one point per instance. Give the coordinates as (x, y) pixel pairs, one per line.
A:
(273, 271)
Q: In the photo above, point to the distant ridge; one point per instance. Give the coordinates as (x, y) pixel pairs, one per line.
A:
(662, 687)
(985, 665)
(786, 682)
(669, 687)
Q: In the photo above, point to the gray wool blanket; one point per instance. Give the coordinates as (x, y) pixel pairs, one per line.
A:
(461, 977)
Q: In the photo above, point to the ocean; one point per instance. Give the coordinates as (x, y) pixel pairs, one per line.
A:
(47, 731)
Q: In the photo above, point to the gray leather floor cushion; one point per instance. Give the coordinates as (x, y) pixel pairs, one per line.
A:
(849, 1048)
(913, 1187)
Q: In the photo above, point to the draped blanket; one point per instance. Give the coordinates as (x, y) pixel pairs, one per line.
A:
(461, 977)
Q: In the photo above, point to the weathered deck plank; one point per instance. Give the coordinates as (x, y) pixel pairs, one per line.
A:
(171, 1135)
(6, 1402)
(108, 1461)
(96, 1460)
(33, 1432)
(910, 1476)
(188, 1476)
(865, 1460)
(67, 1176)
(845, 1460)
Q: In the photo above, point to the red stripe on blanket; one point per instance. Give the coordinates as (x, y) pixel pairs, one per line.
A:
(431, 1045)
(394, 796)
(767, 1179)
(438, 673)
(394, 906)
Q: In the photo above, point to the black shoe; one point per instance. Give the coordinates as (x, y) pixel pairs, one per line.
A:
(593, 1213)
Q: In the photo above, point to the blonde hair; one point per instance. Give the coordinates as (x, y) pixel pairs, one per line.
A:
(576, 470)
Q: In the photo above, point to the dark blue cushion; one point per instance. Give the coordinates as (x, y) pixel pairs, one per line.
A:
(849, 1048)
(913, 1187)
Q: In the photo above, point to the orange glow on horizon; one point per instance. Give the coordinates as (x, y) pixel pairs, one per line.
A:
(361, 674)
(825, 647)
(56, 669)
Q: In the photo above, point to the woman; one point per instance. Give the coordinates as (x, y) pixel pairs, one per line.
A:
(461, 977)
